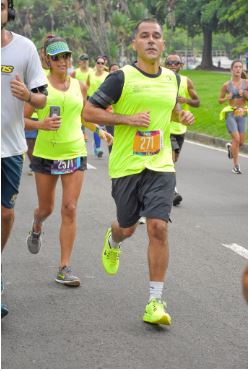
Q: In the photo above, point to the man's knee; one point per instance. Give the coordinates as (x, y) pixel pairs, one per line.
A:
(157, 229)
(7, 215)
(128, 232)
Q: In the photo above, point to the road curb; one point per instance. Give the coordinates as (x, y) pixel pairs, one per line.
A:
(208, 139)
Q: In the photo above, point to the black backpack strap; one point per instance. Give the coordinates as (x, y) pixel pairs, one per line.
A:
(178, 77)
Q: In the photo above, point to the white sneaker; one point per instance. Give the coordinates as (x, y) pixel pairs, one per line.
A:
(236, 170)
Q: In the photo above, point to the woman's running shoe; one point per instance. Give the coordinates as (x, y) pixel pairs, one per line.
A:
(236, 169)
(65, 277)
(34, 242)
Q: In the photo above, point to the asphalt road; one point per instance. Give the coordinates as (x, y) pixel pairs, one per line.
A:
(98, 325)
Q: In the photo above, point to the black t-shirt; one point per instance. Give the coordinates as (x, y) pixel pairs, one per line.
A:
(111, 89)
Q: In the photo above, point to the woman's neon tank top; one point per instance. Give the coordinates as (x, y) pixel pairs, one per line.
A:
(68, 141)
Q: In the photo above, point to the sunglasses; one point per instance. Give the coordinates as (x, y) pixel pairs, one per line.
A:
(171, 63)
(100, 63)
(59, 56)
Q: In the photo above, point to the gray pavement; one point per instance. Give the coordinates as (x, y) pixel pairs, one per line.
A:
(99, 324)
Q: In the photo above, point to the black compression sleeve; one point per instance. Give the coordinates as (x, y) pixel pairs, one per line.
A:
(110, 90)
(41, 89)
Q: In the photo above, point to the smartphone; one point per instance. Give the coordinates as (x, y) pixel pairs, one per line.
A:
(54, 111)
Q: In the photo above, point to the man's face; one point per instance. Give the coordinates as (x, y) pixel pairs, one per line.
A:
(174, 63)
(84, 63)
(148, 42)
(4, 13)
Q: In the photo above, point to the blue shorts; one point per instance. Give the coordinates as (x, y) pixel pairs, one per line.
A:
(11, 171)
(236, 123)
(31, 134)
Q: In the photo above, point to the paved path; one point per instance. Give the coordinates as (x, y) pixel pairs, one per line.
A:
(99, 324)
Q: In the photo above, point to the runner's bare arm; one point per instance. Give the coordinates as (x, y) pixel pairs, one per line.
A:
(21, 92)
(101, 116)
(223, 94)
(50, 123)
(182, 116)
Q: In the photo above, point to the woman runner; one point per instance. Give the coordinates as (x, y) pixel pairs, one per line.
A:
(59, 152)
(235, 91)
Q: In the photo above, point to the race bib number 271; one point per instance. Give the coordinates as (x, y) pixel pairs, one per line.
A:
(147, 143)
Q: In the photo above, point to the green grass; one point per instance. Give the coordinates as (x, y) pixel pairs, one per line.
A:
(208, 85)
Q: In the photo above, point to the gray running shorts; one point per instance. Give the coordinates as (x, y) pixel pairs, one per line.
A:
(236, 123)
(149, 193)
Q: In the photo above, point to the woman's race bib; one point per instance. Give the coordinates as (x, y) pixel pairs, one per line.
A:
(60, 167)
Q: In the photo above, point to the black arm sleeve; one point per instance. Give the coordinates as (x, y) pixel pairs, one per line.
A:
(40, 89)
(110, 90)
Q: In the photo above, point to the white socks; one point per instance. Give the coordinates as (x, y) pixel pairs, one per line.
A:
(156, 290)
(112, 243)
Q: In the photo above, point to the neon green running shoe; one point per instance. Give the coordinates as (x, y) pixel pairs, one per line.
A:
(110, 256)
(155, 312)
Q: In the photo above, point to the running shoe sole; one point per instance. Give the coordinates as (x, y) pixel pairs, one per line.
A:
(164, 320)
(238, 172)
(68, 283)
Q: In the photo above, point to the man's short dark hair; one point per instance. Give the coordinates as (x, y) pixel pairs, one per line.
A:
(146, 20)
(174, 53)
(84, 57)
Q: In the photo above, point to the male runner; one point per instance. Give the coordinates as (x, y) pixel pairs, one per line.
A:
(83, 70)
(187, 96)
(143, 96)
(22, 81)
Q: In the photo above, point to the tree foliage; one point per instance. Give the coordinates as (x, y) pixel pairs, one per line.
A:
(104, 27)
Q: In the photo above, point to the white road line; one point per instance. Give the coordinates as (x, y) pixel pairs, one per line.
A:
(90, 167)
(212, 147)
(237, 248)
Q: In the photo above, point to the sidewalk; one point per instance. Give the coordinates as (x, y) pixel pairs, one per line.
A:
(207, 139)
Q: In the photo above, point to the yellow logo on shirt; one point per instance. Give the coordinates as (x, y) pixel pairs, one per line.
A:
(7, 69)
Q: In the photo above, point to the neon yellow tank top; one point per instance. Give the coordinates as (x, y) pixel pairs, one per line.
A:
(141, 93)
(176, 127)
(95, 82)
(82, 76)
(68, 141)
(46, 71)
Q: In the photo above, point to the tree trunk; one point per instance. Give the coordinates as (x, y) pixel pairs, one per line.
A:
(207, 62)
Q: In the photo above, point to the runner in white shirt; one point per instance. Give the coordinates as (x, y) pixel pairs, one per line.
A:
(22, 80)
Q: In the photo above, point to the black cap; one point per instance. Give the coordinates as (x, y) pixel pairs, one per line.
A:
(84, 57)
